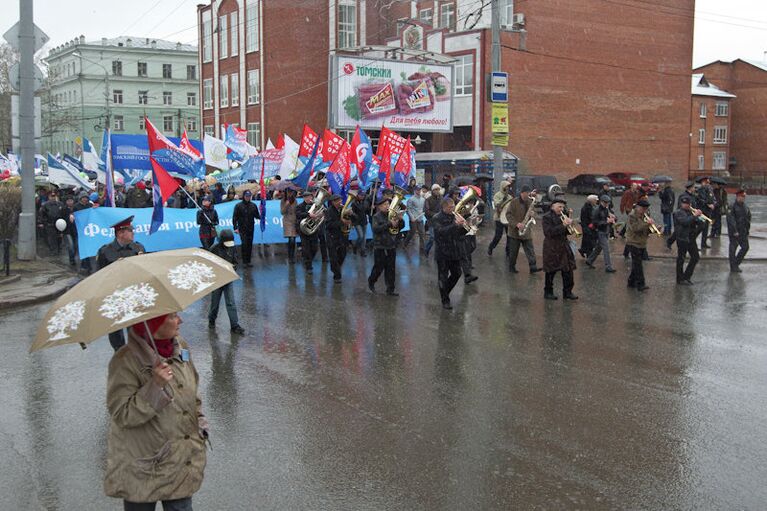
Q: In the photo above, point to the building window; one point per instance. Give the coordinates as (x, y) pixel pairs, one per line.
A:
(223, 91)
(703, 110)
(191, 72)
(701, 136)
(719, 160)
(143, 97)
(233, 20)
(253, 87)
(167, 98)
(223, 37)
(167, 123)
(142, 69)
(207, 93)
(254, 134)
(118, 123)
(208, 130)
(191, 124)
(426, 16)
(235, 89)
(507, 12)
(722, 109)
(447, 16)
(142, 123)
(167, 71)
(720, 134)
(117, 97)
(191, 99)
(207, 34)
(117, 68)
(251, 26)
(347, 24)
(701, 162)
(464, 75)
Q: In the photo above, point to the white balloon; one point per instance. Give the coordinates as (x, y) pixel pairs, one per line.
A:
(61, 225)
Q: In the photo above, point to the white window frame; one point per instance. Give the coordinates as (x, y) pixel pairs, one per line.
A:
(223, 91)
(703, 110)
(254, 86)
(143, 97)
(722, 109)
(208, 129)
(191, 124)
(234, 93)
(251, 26)
(347, 24)
(426, 16)
(169, 68)
(142, 123)
(701, 162)
(117, 68)
(506, 8)
(191, 99)
(207, 38)
(702, 136)
(447, 16)
(254, 134)
(720, 134)
(193, 73)
(118, 123)
(223, 37)
(464, 70)
(234, 29)
(117, 96)
(165, 119)
(167, 98)
(138, 69)
(207, 93)
(722, 157)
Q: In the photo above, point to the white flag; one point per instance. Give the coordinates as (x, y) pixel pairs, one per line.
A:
(215, 152)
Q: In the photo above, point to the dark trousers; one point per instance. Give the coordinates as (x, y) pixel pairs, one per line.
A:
(737, 256)
(636, 277)
(206, 242)
(247, 246)
(704, 233)
(231, 306)
(716, 229)
(323, 243)
(682, 249)
(383, 262)
(588, 242)
(167, 505)
(568, 282)
(337, 253)
(527, 245)
(667, 223)
(416, 227)
(291, 248)
(470, 245)
(53, 239)
(500, 229)
(602, 246)
(448, 274)
(308, 249)
(117, 339)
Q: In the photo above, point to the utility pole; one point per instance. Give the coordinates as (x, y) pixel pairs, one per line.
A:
(495, 12)
(27, 249)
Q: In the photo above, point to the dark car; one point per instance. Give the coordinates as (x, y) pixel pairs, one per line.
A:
(586, 184)
(626, 179)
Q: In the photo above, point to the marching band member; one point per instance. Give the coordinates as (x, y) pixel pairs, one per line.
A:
(449, 232)
(602, 220)
(309, 242)
(385, 234)
(500, 199)
(516, 216)
(738, 227)
(686, 227)
(557, 256)
(588, 242)
(334, 231)
(637, 232)
(707, 203)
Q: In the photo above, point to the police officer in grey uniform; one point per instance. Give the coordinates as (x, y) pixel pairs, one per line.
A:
(122, 246)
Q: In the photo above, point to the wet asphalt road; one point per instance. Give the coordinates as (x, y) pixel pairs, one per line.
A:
(339, 399)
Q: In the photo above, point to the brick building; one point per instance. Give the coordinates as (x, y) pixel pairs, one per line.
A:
(748, 81)
(710, 126)
(594, 86)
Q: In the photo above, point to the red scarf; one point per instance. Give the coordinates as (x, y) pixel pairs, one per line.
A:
(164, 346)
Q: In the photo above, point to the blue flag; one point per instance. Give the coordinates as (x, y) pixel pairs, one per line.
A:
(302, 178)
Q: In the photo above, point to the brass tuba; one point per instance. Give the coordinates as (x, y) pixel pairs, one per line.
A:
(346, 211)
(396, 208)
(311, 225)
(469, 212)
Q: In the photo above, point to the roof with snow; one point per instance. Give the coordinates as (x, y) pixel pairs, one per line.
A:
(143, 42)
(702, 87)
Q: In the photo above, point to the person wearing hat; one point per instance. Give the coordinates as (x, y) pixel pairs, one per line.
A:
(557, 255)
(207, 219)
(449, 232)
(738, 228)
(515, 218)
(83, 202)
(720, 206)
(415, 204)
(288, 211)
(309, 242)
(244, 219)
(360, 209)
(122, 246)
(52, 210)
(667, 200)
(157, 430)
(138, 197)
(224, 248)
(686, 227)
(337, 233)
(500, 199)
(601, 221)
(589, 239)
(705, 202)
(431, 207)
(385, 234)
(637, 232)
(689, 193)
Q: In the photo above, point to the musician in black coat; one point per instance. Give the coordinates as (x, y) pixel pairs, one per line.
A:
(707, 204)
(557, 255)
(589, 239)
(337, 235)
(385, 233)
(309, 242)
(686, 229)
(738, 227)
(244, 222)
(449, 232)
(689, 194)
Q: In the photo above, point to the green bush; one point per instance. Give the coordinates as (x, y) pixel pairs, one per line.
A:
(10, 208)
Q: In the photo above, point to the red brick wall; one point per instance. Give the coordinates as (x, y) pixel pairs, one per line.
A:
(614, 90)
(708, 123)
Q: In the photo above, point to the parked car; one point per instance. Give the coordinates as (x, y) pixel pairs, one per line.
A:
(586, 184)
(546, 186)
(626, 179)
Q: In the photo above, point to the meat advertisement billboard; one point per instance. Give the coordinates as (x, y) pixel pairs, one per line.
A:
(402, 95)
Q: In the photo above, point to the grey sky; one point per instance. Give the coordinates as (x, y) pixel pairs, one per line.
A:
(724, 30)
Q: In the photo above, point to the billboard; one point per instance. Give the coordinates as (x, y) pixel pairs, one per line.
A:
(402, 95)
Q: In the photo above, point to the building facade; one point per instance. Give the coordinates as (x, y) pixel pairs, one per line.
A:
(594, 87)
(747, 80)
(710, 128)
(117, 82)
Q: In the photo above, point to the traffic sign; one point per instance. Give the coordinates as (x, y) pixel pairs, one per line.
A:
(499, 87)
(12, 36)
(15, 79)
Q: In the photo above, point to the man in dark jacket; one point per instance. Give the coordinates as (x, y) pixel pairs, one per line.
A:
(557, 255)
(309, 242)
(448, 231)
(686, 227)
(738, 227)
(385, 235)
(706, 204)
(83, 202)
(360, 223)
(667, 200)
(720, 208)
(589, 239)
(244, 221)
(337, 233)
(138, 197)
(637, 232)
(224, 249)
(689, 193)
(50, 211)
(207, 219)
(601, 222)
(431, 207)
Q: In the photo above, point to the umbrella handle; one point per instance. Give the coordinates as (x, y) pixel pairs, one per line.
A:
(151, 338)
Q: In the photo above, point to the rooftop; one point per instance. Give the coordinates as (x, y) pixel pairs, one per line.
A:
(127, 42)
(702, 87)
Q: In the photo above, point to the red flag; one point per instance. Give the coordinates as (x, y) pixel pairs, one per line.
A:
(187, 146)
(388, 137)
(386, 165)
(308, 139)
(262, 206)
(331, 144)
(280, 142)
(157, 142)
(403, 161)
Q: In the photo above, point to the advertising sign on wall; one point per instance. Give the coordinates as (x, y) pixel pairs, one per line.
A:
(402, 95)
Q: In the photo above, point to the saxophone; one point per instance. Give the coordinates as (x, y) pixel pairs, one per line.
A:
(529, 221)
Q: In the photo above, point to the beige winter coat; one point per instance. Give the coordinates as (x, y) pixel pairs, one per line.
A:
(288, 212)
(156, 449)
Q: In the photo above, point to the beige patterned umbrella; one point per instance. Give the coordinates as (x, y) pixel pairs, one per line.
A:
(130, 291)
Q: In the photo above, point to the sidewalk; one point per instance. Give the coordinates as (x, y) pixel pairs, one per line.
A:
(34, 282)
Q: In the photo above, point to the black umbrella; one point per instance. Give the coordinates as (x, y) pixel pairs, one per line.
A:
(463, 181)
(662, 179)
(718, 180)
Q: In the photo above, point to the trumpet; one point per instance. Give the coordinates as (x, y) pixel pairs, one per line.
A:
(703, 217)
(572, 229)
(653, 228)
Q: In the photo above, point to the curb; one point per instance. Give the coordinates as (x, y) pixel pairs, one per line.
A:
(56, 291)
(10, 280)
